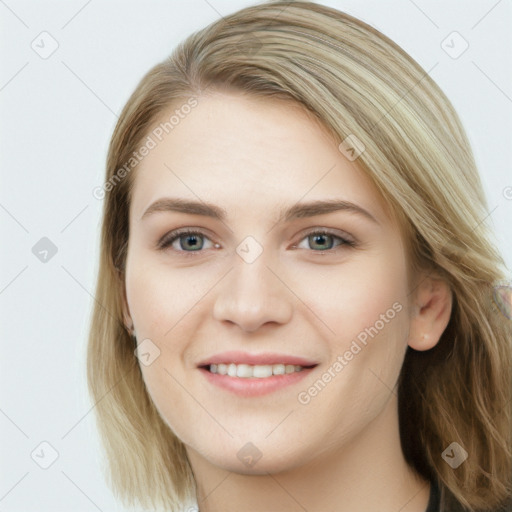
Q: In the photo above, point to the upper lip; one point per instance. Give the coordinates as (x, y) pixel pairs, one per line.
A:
(265, 358)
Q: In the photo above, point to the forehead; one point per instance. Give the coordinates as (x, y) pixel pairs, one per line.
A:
(247, 152)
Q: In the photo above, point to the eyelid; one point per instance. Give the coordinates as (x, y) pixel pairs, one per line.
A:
(169, 238)
(347, 240)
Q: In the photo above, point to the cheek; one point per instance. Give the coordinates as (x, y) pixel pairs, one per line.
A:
(164, 304)
(366, 308)
(370, 290)
(365, 304)
(159, 298)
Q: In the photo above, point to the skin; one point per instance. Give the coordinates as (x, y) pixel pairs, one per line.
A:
(341, 451)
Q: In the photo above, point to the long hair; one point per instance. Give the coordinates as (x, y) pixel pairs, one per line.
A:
(362, 85)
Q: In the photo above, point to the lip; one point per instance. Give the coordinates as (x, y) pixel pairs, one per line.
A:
(238, 357)
(254, 386)
(250, 387)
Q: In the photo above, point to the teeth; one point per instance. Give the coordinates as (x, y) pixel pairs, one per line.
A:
(232, 370)
(278, 369)
(243, 370)
(248, 371)
(262, 371)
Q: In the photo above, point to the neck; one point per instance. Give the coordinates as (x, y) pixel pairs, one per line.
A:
(369, 473)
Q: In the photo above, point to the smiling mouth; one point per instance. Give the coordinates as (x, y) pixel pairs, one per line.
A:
(247, 380)
(248, 371)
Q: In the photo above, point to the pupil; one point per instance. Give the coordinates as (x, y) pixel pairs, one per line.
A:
(321, 237)
(192, 238)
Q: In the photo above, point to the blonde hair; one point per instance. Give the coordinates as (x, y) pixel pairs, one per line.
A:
(357, 82)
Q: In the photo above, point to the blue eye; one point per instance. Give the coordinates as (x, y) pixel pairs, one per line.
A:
(189, 241)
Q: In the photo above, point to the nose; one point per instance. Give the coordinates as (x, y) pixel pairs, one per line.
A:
(252, 295)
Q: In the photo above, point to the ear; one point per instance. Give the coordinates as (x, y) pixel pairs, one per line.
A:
(431, 312)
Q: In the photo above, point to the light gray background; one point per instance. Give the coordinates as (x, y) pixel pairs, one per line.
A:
(57, 115)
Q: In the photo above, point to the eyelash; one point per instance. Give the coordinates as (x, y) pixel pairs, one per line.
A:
(167, 240)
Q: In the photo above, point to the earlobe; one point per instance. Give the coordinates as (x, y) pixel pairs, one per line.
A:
(432, 308)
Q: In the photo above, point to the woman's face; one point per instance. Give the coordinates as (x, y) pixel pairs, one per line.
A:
(265, 286)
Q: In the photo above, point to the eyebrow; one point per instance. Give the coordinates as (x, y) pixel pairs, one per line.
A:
(297, 211)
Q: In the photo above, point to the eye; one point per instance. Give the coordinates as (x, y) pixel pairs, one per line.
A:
(190, 241)
(183, 240)
(323, 240)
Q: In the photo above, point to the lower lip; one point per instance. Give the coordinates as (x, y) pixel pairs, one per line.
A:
(255, 386)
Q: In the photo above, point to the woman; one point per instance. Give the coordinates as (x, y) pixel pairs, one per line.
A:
(295, 296)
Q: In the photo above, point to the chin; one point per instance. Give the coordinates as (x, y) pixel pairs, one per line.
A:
(258, 457)
(265, 465)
